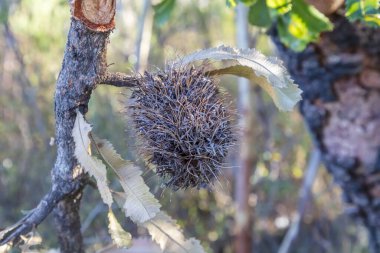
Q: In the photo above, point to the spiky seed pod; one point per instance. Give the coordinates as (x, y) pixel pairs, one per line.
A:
(183, 125)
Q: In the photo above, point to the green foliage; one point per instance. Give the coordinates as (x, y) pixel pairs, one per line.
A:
(301, 25)
(163, 10)
(279, 7)
(298, 23)
(364, 10)
(259, 14)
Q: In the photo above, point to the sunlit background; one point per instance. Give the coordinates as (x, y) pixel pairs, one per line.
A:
(29, 66)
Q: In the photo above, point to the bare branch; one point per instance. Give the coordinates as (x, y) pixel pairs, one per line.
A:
(119, 80)
(80, 72)
(38, 214)
(305, 191)
(144, 34)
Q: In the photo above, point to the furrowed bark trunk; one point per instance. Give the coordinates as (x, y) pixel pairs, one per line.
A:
(68, 225)
(83, 66)
(84, 62)
(340, 77)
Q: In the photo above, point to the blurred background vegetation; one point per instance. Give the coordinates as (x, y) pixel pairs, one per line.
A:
(32, 40)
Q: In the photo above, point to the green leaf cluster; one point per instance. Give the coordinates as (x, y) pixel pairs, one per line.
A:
(298, 23)
(364, 10)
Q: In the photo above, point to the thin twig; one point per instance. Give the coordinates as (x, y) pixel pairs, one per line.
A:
(144, 34)
(119, 80)
(311, 172)
(38, 214)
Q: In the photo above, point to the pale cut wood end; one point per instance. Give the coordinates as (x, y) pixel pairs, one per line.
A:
(97, 15)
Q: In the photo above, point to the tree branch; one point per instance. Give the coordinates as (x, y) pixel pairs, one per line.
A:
(83, 66)
(119, 80)
(38, 214)
(68, 225)
(305, 191)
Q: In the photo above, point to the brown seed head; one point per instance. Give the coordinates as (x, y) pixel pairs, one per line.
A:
(183, 124)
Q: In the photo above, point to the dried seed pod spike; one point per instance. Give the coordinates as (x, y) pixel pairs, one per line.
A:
(183, 125)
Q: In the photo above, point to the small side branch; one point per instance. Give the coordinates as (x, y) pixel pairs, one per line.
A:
(38, 214)
(119, 80)
(305, 191)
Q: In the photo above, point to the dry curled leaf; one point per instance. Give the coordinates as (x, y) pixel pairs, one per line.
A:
(30, 240)
(119, 236)
(166, 233)
(268, 72)
(140, 205)
(91, 164)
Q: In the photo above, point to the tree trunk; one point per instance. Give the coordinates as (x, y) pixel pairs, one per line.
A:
(83, 65)
(340, 79)
(68, 226)
(243, 217)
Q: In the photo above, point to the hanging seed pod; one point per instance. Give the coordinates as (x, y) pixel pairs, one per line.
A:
(183, 125)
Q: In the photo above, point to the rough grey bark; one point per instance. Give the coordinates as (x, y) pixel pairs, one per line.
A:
(84, 66)
(340, 77)
(68, 225)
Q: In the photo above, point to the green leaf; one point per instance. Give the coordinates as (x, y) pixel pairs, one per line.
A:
(259, 14)
(119, 236)
(313, 19)
(268, 72)
(364, 10)
(279, 7)
(371, 6)
(162, 11)
(248, 2)
(372, 20)
(302, 25)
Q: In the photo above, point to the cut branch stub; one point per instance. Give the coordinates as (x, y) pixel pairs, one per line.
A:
(97, 15)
